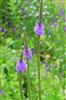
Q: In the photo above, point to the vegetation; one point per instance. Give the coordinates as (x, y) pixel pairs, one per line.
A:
(17, 22)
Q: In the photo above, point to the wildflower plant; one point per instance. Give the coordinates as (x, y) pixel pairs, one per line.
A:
(21, 66)
(39, 31)
(27, 53)
(64, 28)
(61, 12)
(40, 72)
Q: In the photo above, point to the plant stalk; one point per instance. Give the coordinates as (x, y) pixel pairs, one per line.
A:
(28, 72)
(38, 60)
(20, 85)
(40, 12)
(38, 51)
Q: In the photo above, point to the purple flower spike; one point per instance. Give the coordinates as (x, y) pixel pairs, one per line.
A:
(61, 12)
(64, 28)
(27, 53)
(21, 66)
(39, 29)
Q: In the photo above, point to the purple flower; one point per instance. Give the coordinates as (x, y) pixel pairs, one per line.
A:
(61, 12)
(54, 24)
(1, 29)
(64, 28)
(21, 66)
(39, 29)
(47, 66)
(1, 91)
(54, 19)
(27, 53)
(4, 30)
(64, 18)
(14, 28)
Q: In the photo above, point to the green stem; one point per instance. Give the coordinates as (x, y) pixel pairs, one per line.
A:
(38, 60)
(29, 87)
(40, 14)
(28, 72)
(38, 51)
(20, 85)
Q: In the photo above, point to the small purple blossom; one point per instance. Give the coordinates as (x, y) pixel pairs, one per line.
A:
(64, 28)
(21, 66)
(61, 12)
(64, 18)
(54, 19)
(1, 29)
(54, 24)
(27, 53)
(1, 91)
(47, 66)
(4, 30)
(14, 28)
(39, 29)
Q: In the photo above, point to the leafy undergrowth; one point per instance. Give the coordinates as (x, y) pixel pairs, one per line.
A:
(52, 84)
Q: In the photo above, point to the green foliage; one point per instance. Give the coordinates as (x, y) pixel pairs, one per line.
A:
(53, 50)
(14, 12)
